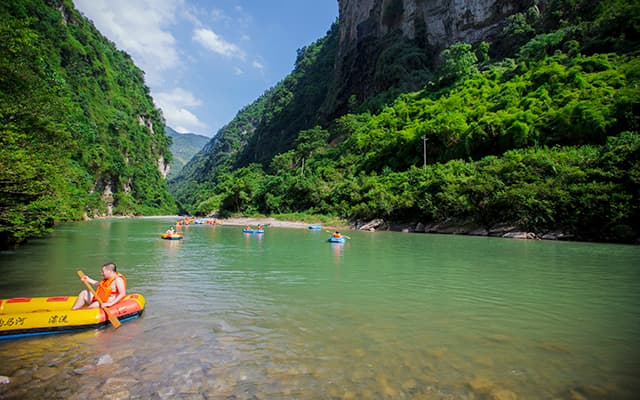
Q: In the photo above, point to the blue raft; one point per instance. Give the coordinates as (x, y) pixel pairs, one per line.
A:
(253, 231)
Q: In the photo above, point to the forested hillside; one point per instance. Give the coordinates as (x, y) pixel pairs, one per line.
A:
(183, 147)
(79, 134)
(538, 130)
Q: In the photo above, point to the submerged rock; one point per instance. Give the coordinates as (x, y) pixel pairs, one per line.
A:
(105, 359)
(83, 369)
(45, 373)
(503, 394)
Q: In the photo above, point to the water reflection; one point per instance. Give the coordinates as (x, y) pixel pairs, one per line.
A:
(337, 249)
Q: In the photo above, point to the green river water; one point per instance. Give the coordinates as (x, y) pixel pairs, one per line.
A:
(286, 315)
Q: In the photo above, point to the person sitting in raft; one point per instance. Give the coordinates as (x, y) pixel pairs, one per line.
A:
(111, 289)
(171, 231)
(337, 235)
(260, 227)
(248, 227)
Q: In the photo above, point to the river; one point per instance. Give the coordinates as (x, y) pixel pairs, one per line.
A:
(286, 315)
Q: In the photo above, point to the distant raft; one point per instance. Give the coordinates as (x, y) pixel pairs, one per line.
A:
(33, 316)
(334, 239)
(253, 230)
(171, 236)
(316, 227)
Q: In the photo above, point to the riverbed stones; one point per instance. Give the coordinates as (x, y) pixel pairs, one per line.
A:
(349, 395)
(166, 393)
(485, 387)
(409, 384)
(45, 373)
(83, 369)
(503, 394)
(121, 395)
(118, 384)
(481, 385)
(122, 354)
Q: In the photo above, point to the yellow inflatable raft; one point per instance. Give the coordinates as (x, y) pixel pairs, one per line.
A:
(30, 316)
(171, 236)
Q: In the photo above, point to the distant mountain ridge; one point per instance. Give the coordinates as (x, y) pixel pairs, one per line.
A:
(184, 146)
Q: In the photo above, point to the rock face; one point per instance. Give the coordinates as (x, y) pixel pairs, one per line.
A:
(440, 22)
(371, 32)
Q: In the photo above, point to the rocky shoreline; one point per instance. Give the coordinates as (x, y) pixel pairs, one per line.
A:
(452, 227)
(457, 227)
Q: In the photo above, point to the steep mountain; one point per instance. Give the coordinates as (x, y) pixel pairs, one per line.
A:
(479, 117)
(79, 134)
(183, 147)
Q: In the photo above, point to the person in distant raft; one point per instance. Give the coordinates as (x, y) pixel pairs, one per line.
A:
(337, 235)
(111, 289)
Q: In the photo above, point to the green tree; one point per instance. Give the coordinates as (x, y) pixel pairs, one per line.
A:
(309, 141)
(459, 61)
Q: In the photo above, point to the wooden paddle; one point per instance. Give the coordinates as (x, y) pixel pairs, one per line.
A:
(112, 318)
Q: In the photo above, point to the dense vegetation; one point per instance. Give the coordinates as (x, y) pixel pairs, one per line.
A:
(79, 134)
(544, 135)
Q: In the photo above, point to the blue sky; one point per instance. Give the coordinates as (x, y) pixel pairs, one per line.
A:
(205, 60)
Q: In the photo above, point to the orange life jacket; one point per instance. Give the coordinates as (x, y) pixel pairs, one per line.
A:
(104, 288)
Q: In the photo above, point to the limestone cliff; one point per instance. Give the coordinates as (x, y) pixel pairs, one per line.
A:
(439, 22)
(371, 32)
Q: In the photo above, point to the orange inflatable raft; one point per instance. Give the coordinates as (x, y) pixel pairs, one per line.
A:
(31, 316)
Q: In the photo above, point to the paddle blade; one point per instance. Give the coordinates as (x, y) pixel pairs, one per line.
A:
(112, 318)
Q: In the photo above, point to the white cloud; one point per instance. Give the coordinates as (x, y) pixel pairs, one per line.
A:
(175, 108)
(211, 41)
(140, 28)
(257, 65)
(237, 71)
